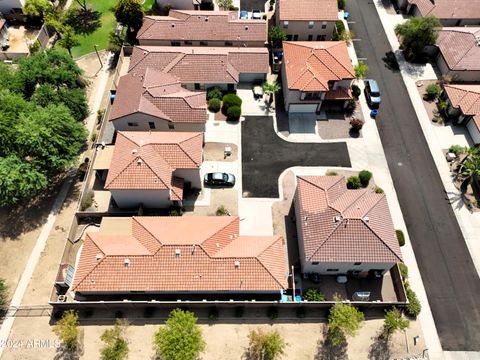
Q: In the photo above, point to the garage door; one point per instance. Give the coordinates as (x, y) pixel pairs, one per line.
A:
(251, 77)
(474, 132)
(302, 108)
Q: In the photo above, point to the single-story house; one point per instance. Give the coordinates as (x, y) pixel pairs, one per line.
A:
(464, 105)
(459, 53)
(450, 13)
(156, 101)
(186, 258)
(202, 28)
(153, 168)
(316, 75)
(342, 231)
(199, 68)
(307, 20)
(185, 4)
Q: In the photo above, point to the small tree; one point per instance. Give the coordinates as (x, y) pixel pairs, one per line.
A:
(265, 345)
(271, 88)
(68, 39)
(365, 177)
(394, 321)
(67, 329)
(129, 13)
(343, 320)
(225, 4)
(313, 294)
(37, 8)
(416, 33)
(116, 347)
(180, 338)
(214, 105)
(432, 91)
(360, 70)
(3, 292)
(277, 35)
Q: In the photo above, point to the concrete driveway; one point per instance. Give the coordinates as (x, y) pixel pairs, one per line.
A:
(449, 276)
(265, 156)
(302, 123)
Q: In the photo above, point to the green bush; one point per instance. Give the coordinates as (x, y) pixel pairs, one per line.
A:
(3, 292)
(356, 91)
(340, 27)
(313, 294)
(234, 112)
(87, 201)
(364, 177)
(272, 313)
(413, 307)
(378, 190)
(403, 270)
(353, 182)
(230, 100)
(331, 173)
(456, 149)
(433, 90)
(175, 212)
(214, 93)
(400, 237)
(214, 105)
(342, 4)
(222, 211)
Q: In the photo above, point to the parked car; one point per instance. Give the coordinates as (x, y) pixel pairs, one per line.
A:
(243, 14)
(372, 93)
(256, 15)
(219, 179)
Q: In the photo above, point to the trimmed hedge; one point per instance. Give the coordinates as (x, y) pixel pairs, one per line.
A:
(413, 307)
(230, 100)
(214, 105)
(365, 177)
(234, 112)
(214, 93)
(400, 237)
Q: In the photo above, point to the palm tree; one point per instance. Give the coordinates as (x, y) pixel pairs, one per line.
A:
(470, 169)
(271, 88)
(469, 152)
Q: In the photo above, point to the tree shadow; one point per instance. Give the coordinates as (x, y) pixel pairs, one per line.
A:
(391, 61)
(83, 21)
(380, 348)
(328, 351)
(65, 353)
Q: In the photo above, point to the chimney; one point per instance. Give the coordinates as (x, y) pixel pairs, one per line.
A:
(177, 253)
(237, 264)
(126, 262)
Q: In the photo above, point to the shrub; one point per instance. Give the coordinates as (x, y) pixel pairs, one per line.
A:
(234, 112)
(342, 4)
(230, 100)
(432, 91)
(301, 312)
(93, 137)
(213, 313)
(272, 313)
(100, 114)
(214, 105)
(265, 345)
(357, 124)
(314, 294)
(413, 307)
(214, 93)
(340, 27)
(456, 149)
(175, 212)
(353, 182)
(394, 322)
(356, 91)
(403, 270)
(222, 211)
(378, 190)
(331, 173)
(365, 177)
(239, 310)
(3, 292)
(67, 329)
(400, 237)
(87, 201)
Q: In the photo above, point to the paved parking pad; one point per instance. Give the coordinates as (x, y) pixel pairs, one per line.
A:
(265, 156)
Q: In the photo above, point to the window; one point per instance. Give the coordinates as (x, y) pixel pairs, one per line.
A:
(285, 24)
(188, 42)
(151, 125)
(330, 84)
(289, 37)
(295, 37)
(324, 25)
(310, 37)
(197, 86)
(132, 124)
(171, 126)
(175, 43)
(310, 24)
(332, 270)
(203, 43)
(357, 263)
(321, 37)
(312, 96)
(228, 43)
(315, 263)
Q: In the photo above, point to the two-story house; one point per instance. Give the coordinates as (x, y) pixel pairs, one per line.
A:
(307, 20)
(316, 75)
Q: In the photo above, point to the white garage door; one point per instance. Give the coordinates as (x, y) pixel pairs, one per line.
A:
(251, 77)
(302, 108)
(474, 132)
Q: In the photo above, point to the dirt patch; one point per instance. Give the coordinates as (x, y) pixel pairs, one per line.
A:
(430, 106)
(216, 152)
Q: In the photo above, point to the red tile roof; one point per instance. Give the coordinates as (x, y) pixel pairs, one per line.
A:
(448, 9)
(147, 160)
(213, 65)
(158, 94)
(310, 65)
(308, 10)
(181, 254)
(459, 47)
(467, 98)
(341, 225)
(202, 25)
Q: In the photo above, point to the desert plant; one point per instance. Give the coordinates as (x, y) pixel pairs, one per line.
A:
(470, 169)
(93, 137)
(360, 69)
(378, 190)
(343, 320)
(175, 212)
(214, 105)
(357, 124)
(67, 329)
(116, 347)
(456, 149)
(403, 270)
(364, 177)
(265, 345)
(272, 312)
(100, 113)
(413, 307)
(222, 211)
(331, 173)
(416, 33)
(400, 237)
(313, 294)
(270, 88)
(432, 91)
(214, 93)
(231, 100)
(356, 91)
(442, 106)
(234, 112)
(394, 321)
(87, 201)
(353, 182)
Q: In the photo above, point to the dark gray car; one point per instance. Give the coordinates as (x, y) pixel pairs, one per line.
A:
(219, 179)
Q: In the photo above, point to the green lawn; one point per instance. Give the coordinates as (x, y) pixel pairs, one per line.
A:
(100, 36)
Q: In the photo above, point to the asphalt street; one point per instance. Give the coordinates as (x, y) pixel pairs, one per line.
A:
(451, 281)
(265, 156)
